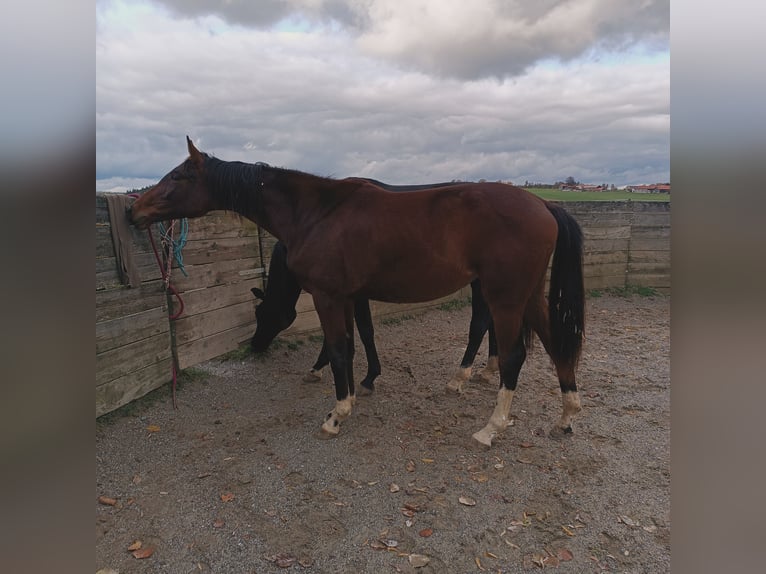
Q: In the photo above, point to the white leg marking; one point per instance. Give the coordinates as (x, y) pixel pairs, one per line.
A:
(456, 382)
(313, 376)
(341, 412)
(499, 419)
(488, 372)
(571, 406)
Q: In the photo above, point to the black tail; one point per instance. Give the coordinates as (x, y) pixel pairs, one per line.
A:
(566, 297)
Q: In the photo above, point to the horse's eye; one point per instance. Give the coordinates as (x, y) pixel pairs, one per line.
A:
(176, 176)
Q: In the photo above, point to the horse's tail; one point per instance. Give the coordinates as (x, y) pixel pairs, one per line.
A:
(566, 296)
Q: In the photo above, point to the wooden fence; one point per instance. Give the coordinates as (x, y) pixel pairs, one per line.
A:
(626, 243)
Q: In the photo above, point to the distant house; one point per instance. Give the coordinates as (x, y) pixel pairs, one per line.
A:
(653, 188)
(581, 187)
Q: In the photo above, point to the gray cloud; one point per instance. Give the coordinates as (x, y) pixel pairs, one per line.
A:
(311, 100)
(462, 39)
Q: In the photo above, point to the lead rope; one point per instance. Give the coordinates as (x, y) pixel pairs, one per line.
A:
(169, 245)
(169, 287)
(176, 246)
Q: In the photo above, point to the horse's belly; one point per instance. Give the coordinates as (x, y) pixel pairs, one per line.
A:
(406, 285)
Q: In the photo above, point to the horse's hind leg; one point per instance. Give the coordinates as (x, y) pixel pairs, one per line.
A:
(480, 321)
(510, 360)
(493, 366)
(570, 399)
(315, 374)
(536, 316)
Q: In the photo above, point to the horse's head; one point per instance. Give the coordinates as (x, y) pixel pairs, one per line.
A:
(276, 311)
(181, 193)
(274, 314)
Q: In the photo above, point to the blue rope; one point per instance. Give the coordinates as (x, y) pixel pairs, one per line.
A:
(178, 244)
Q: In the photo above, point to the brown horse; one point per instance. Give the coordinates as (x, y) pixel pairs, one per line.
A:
(351, 239)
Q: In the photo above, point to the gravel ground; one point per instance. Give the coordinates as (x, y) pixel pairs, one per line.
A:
(236, 480)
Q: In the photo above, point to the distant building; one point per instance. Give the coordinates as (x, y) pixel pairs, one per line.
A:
(581, 187)
(653, 188)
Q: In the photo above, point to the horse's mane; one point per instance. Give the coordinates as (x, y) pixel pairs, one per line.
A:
(235, 183)
(238, 184)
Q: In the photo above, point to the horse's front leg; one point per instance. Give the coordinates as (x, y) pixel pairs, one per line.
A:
(335, 315)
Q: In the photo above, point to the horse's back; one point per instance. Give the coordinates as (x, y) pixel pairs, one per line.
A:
(471, 208)
(428, 243)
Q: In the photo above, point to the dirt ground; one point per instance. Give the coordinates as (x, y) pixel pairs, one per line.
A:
(236, 480)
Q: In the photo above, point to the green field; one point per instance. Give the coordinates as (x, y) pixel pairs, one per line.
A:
(558, 195)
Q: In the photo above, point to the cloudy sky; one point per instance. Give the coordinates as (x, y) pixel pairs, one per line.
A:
(403, 91)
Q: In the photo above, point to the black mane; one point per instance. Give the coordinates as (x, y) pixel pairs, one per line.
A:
(236, 184)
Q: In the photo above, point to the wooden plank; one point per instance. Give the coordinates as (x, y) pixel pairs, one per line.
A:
(205, 300)
(598, 219)
(605, 257)
(647, 232)
(140, 242)
(216, 321)
(605, 245)
(131, 386)
(142, 260)
(120, 361)
(652, 219)
(104, 245)
(305, 322)
(594, 233)
(218, 273)
(663, 257)
(207, 348)
(220, 224)
(124, 301)
(656, 268)
(107, 276)
(650, 244)
(125, 330)
(604, 282)
(213, 250)
(659, 281)
(102, 213)
(606, 269)
(651, 206)
(580, 208)
(305, 303)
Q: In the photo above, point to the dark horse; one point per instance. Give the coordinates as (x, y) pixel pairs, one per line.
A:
(276, 312)
(350, 239)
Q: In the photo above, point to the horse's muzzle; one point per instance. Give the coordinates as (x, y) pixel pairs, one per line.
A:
(140, 221)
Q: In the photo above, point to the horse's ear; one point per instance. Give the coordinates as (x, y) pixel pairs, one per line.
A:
(194, 153)
(257, 292)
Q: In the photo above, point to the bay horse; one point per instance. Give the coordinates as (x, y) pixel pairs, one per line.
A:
(276, 312)
(349, 238)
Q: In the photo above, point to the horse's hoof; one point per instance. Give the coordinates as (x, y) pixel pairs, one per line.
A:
(455, 387)
(558, 432)
(479, 377)
(366, 391)
(326, 432)
(312, 377)
(484, 437)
